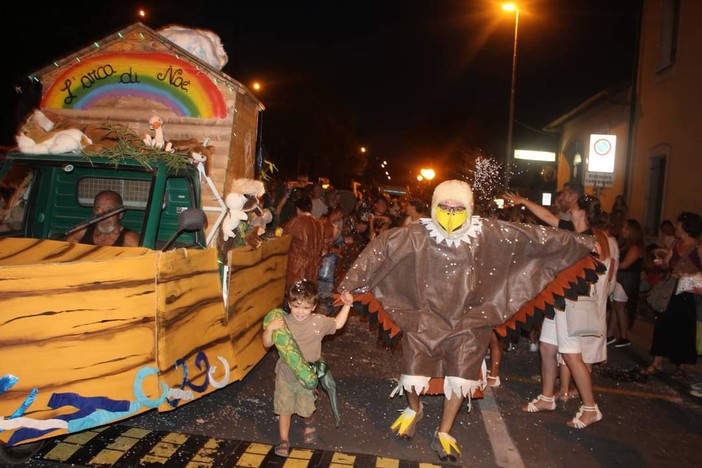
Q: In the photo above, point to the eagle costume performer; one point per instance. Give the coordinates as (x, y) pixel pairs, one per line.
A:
(449, 281)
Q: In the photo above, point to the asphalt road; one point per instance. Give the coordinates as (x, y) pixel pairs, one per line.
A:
(648, 421)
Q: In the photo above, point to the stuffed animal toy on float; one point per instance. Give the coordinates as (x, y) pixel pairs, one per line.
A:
(158, 140)
(46, 132)
(245, 221)
(39, 135)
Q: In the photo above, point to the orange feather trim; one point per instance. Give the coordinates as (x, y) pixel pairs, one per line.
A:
(565, 285)
(374, 307)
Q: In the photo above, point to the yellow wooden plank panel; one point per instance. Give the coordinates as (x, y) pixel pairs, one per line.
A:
(60, 300)
(87, 367)
(88, 327)
(82, 328)
(190, 299)
(19, 251)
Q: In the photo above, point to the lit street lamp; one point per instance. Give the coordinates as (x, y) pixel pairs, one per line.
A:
(508, 159)
(424, 178)
(428, 174)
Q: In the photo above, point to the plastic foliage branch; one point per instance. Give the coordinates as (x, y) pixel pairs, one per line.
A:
(268, 170)
(127, 145)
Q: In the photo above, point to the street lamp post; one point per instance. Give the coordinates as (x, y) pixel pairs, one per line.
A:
(508, 159)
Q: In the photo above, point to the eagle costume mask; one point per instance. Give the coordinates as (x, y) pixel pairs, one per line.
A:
(448, 281)
(452, 220)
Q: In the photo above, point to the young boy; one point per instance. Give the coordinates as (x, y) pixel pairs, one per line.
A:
(308, 329)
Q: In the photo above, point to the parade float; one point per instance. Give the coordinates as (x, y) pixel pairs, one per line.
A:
(90, 335)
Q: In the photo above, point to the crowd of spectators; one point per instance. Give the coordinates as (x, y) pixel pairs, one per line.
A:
(352, 219)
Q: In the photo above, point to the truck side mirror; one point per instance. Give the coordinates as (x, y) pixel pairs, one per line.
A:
(192, 219)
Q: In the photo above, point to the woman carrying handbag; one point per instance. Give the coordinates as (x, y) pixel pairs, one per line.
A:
(555, 337)
(675, 330)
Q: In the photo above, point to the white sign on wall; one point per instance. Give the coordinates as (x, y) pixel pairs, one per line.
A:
(600, 161)
(601, 155)
(599, 179)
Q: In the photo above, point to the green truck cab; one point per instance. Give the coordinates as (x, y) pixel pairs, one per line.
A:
(58, 191)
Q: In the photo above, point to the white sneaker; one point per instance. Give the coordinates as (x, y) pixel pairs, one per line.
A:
(533, 347)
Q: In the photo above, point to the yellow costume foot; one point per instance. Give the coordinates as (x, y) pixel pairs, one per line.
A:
(406, 424)
(445, 446)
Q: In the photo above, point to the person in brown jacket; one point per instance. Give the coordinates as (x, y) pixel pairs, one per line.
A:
(309, 243)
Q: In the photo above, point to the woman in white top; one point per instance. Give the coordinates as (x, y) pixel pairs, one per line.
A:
(554, 332)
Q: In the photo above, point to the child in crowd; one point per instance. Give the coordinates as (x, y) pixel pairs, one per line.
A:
(307, 329)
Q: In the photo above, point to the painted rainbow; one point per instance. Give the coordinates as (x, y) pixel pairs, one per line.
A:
(159, 77)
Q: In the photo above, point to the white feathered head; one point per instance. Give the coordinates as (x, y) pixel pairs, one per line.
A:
(452, 208)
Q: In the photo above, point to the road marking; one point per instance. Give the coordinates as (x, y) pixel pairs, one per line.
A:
(105, 449)
(506, 453)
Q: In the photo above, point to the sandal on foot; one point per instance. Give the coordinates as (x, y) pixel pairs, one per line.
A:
(651, 370)
(493, 382)
(445, 446)
(310, 434)
(532, 408)
(406, 423)
(576, 423)
(282, 449)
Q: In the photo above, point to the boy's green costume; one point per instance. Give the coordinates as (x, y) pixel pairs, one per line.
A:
(310, 375)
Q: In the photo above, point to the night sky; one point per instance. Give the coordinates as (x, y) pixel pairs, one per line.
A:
(416, 81)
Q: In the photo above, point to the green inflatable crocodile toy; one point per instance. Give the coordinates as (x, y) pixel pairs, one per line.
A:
(290, 352)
